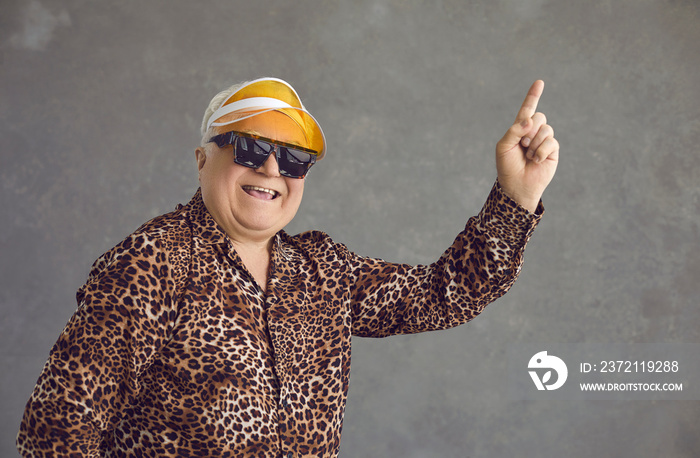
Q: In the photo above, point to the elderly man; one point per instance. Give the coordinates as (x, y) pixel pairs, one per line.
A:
(211, 332)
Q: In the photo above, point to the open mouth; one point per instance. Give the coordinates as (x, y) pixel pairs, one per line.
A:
(260, 193)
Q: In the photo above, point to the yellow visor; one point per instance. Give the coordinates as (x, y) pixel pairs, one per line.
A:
(270, 94)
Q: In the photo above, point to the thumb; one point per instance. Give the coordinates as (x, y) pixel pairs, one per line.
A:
(516, 132)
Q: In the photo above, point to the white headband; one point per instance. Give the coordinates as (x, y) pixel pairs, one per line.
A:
(263, 103)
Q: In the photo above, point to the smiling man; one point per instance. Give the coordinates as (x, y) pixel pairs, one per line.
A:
(253, 204)
(211, 332)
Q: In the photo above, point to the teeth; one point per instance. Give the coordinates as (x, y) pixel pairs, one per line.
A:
(257, 188)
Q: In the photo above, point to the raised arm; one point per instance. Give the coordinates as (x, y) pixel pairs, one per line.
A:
(485, 259)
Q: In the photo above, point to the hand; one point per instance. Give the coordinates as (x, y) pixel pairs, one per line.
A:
(527, 155)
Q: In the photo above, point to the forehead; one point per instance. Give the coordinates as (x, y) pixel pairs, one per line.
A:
(273, 125)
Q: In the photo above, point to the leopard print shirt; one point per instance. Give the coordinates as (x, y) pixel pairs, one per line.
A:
(175, 351)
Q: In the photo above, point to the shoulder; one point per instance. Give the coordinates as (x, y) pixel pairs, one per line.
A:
(158, 241)
(170, 225)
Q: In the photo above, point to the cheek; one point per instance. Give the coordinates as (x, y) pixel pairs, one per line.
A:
(217, 182)
(210, 178)
(221, 172)
(296, 188)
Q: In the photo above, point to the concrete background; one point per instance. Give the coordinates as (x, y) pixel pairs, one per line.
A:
(100, 105)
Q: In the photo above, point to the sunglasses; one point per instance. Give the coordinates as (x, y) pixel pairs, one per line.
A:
(252, 151)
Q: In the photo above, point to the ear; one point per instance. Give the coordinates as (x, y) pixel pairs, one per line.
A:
(201, 156)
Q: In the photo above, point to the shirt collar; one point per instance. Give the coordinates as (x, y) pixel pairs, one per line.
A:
(203, 224)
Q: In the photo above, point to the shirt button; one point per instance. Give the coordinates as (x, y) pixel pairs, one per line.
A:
(289, 455)
(285, 404)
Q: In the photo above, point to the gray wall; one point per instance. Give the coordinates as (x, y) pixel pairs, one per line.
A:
(100, 104)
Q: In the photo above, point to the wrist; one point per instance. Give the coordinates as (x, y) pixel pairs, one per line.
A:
(529, 203)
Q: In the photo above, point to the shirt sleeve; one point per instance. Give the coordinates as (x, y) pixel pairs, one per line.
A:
(481, 265)
(124, 314)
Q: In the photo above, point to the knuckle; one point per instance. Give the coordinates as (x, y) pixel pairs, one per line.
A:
(546, 132)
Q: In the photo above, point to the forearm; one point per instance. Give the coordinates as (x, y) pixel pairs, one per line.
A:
(480, 266)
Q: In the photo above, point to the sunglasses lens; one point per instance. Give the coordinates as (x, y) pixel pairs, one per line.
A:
(295, 163)
(250, 152)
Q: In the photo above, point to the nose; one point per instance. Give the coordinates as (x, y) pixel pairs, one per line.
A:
(270, 166)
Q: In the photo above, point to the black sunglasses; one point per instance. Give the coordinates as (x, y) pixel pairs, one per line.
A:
(252, 151)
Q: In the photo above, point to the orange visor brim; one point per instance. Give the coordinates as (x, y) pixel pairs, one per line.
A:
(270, 94)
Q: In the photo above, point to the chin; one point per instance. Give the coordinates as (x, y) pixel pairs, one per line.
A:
(265, 226)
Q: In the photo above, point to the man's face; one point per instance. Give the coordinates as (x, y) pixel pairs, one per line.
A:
(250, 204)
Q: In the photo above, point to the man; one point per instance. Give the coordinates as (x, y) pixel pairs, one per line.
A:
(211, 332)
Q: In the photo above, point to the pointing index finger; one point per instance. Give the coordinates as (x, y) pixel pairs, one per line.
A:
(527, 110)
